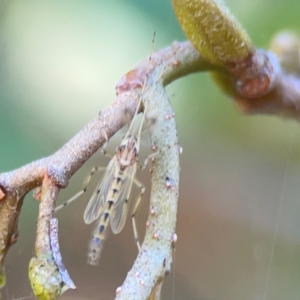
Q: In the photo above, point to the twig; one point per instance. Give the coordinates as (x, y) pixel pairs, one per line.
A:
(155, 257)
(47, 274)
(168, 64)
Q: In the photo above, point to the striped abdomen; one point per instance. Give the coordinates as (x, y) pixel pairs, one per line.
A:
(99, 233)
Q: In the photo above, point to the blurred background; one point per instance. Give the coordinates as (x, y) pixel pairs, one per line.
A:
(239, 207)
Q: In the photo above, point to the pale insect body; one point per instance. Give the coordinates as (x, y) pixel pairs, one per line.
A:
(110, 201)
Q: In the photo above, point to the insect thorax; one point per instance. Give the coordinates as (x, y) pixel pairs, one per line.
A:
(127, 152)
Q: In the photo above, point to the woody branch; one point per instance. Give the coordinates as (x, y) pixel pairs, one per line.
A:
(279, 93)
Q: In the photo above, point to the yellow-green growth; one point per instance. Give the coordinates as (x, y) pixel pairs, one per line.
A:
(45, 278)
(2, 280)
(213, 30)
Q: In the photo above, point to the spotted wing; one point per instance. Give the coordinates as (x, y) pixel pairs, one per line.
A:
(95, 206)
(120, 211)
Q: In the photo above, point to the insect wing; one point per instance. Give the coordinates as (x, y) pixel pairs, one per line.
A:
(95, 206)
(120, 211)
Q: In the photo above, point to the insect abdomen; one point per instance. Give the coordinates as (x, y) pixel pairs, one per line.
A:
(98, 235)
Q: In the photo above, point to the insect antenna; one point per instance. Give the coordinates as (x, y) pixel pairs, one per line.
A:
(142, 91)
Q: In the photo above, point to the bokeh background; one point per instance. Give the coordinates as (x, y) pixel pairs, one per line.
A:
(239, 207)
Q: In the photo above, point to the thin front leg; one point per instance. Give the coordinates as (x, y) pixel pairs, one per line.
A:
(89, 177)
(84, 187)
(103, 148)
(144, 165)
(146, 161)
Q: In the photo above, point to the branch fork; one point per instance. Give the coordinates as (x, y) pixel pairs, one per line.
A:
(279, 94)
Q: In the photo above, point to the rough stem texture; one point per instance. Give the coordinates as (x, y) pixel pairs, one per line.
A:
(155, 257)
(154, 261)
(44, 276)
(48, 198)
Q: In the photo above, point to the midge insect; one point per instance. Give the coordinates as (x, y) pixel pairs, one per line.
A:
(110, 201)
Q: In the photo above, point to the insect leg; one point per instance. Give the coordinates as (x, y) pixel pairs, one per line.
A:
(148, 157)
(134, 211)
(103, 148)
(84, 187)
